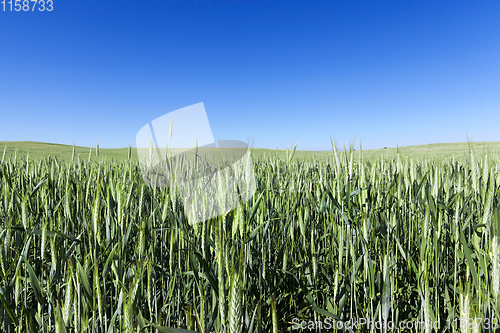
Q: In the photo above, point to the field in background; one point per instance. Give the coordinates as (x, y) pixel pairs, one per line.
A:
(88, 246)
(37, 150)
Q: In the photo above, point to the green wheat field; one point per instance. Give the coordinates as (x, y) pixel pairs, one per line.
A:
(396, 234)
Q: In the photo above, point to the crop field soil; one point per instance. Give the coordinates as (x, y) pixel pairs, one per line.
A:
(87, 246)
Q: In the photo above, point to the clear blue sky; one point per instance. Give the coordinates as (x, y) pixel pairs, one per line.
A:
(383, 72)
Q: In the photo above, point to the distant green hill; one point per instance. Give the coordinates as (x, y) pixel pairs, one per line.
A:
(37, 150)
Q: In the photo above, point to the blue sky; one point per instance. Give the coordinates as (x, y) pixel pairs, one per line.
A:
(380, 72)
